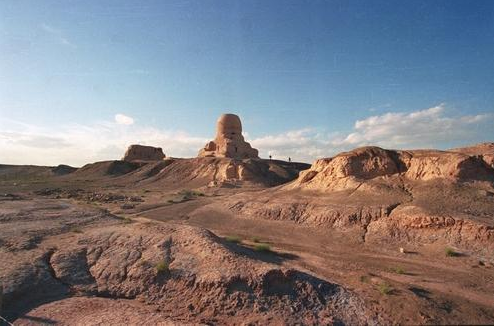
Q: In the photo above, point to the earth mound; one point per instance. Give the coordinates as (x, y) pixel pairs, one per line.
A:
(350, 169)
(103, 169)
(63, 169)
(212, 171)
(143, 153)
(187, 272)
(32, 172)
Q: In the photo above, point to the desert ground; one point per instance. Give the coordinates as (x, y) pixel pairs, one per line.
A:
(370, 236)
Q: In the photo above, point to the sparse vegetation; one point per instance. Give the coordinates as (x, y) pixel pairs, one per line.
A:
(450, 252)
(262, 247)
(75, 230)
(385, 288)
(364, 279)
(162, 267)
(398, 270)
(185, 195)
(189, 194)
(127, 220)
(234, 239)
(256, 239)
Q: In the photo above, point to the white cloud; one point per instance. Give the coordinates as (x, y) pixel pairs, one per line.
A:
(77, 145)
(427, 128)
(122, 119)
(303, 144)
(423, 128)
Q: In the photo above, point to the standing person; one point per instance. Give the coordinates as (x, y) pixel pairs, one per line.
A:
(289, 159)
(270, 157)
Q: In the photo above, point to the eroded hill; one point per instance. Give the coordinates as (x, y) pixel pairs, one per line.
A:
(415, 196)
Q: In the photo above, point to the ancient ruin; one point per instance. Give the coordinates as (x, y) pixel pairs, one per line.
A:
(229, 141)
(143, 153)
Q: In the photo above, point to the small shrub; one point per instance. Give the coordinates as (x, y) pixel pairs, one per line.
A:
(162, 267)
(385, 288)
(170, 201)
(256, 239)
(234, 239)
(398, 270)
(262, 247)
(450, 252)
(127, 220)
(190, 194)
(364, 279)
(76, 230)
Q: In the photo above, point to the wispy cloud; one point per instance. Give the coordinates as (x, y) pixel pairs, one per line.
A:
(58, 35)
(414, 129)
(123, 119)
(77, 144)
(426, 128)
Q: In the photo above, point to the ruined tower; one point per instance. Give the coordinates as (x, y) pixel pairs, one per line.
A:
(229, 141)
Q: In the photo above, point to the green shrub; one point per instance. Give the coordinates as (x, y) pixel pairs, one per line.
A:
(75, 230)
(127, 220)
(189, 194)
(233, 238)
(256, 239)
(385, 288)
(398, 270)
(450, 252)
(364, 279)
(162, 267)
(262, 247)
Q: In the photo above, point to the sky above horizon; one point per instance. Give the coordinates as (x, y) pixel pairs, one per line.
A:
(82, 80)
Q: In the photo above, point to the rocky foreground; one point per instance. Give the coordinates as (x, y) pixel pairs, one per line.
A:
(186, 274)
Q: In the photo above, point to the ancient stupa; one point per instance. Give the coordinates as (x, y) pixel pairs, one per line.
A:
(143, 153)
(229, 141)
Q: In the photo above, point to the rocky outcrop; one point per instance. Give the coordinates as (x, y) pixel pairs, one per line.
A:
(484, 151)
(347, 169)
(229, 141)
(427, 165)
(143, 153)
(415, 224)
(420, 196)
(350, 169)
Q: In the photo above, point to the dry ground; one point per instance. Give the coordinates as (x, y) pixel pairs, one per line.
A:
(421, 286)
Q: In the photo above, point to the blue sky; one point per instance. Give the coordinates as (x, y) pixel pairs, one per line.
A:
(308, 78)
